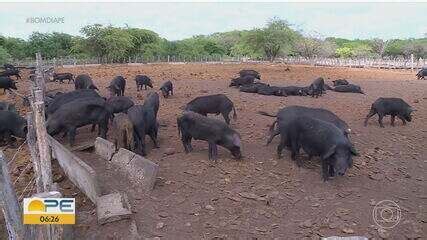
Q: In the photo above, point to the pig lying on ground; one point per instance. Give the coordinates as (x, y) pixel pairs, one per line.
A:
(252, 88)
(293, 91)
(122, 129)
(318, 138)
(193, 125)
(327, 87)
(247, 79)
(218, 103)
(390, 106)
(271, 90)
(349, 88)
(339, 82)
(247, 72)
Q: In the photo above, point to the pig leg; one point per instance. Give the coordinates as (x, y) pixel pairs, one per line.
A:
(190, 148)
(103, 129)
(280, 146)
(213, 151)
(93, 128)
(225, 116)
(325, 168)
(403, 120)
(171, 91)
(275, 133)
(370, 114)
(295, 151)
(186, 142)
(142, 144)
(140, 139)
(153, 137)
(331, 171)
(380, 119)
(71, 135)
(392, 120)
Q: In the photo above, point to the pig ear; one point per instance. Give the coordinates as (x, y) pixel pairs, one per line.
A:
(329, 152)
(236, 140)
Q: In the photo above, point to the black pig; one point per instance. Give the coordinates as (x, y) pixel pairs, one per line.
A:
(348, 88)
(7, 83)
(117, 86)
(193, 125)
(167, 88)
(218, 103)
(319, 138)
(390, 106)
(142, 80)
(84, 81)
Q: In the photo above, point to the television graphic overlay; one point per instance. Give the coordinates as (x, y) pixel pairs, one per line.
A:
(49, 211)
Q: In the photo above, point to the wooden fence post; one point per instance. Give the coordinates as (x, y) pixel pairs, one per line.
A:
(32, 145)
(39, 73)
(10, 205)
(42, 142)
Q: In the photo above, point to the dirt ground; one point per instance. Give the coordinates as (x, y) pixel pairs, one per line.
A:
(263, 197)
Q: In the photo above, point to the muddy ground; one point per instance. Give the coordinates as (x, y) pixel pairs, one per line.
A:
(263, 197)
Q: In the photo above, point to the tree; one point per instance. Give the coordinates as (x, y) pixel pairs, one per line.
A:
(4, 55)
(344, 52)
(117, 43)
(16, 47)
(50, 45)
(308, 47)
(328, 49)
(94, 39)
(110, 42)
(378, 46)
(362, 51)
(141, 37)
(419, 49)
(273, 38)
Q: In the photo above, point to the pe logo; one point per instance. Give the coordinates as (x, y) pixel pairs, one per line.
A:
(49, 211)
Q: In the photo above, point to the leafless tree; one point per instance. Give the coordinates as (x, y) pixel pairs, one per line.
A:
(378, 46)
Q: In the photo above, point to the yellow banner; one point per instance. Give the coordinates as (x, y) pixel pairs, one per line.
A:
(49, 219)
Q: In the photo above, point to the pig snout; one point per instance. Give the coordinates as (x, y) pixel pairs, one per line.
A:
(236, 153)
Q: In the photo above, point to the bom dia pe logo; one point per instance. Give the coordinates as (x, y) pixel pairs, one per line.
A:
(49, 211)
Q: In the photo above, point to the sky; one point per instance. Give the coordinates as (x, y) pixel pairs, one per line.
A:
(176, 21)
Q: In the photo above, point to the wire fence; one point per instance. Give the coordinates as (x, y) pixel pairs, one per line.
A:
(383, 63)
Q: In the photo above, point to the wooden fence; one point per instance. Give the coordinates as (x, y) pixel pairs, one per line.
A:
(41, 161)
(396, 63)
